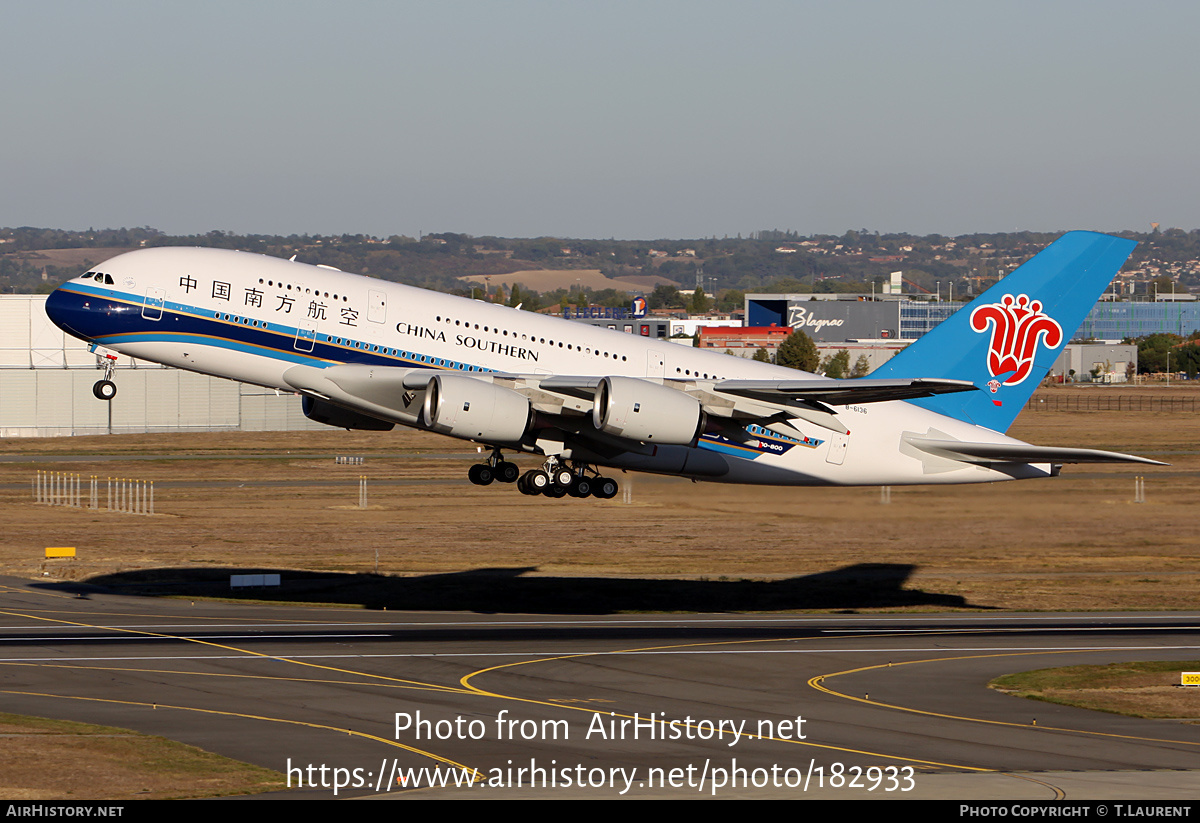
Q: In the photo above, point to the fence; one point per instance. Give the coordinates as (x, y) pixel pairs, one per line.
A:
(1106, 402)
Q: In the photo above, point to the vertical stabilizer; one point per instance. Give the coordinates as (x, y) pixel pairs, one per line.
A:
(1006, 340)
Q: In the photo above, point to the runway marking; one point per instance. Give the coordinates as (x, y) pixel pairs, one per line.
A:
(690, 648)
(18, 590)
(77, 638)
(321, 726)
(1059, 794)
(665, 651)
(273, 678)
(277, 621)
(245, 652)
(250, 654)
(465, 682)
(34, 614)
(606, 621)
(818, 684)
(905, 632)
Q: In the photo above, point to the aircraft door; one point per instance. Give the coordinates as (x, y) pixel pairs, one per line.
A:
(838, 443)
(376, 306)
(306, 337)
(656, 364)
(153, 307)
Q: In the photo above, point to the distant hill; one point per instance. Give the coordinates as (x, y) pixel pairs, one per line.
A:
(543, 280)
(69, 257)
(37, 259)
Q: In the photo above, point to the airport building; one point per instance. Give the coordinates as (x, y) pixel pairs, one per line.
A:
(46, 379)
(656, 327)
(830, 318)
(1118, 320)
(744, 341)
(1095, 363)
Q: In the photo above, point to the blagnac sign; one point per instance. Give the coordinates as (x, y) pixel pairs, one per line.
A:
(800, 317)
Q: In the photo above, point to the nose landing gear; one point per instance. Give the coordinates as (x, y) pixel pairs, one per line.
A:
(105, 388)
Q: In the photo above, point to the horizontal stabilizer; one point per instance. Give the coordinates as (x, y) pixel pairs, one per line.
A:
(1022, 453)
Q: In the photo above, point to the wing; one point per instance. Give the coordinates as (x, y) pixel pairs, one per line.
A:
(614, 414)
(630, 409)
(841, 392)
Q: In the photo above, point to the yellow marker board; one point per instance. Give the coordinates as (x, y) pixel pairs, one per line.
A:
(61, 551)
(1189, 678)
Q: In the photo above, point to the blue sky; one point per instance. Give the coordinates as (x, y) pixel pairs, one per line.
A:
(605, 119)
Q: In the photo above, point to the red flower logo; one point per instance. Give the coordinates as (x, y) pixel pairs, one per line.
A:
(1017, 326)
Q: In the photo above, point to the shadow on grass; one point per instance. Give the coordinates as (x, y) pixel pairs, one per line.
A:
(508, 590)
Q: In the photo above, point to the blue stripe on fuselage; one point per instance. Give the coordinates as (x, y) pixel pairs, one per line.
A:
(110, 318)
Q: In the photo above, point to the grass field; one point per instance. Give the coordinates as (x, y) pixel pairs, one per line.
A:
(44, 759)
(1145, 689)
(238, 500)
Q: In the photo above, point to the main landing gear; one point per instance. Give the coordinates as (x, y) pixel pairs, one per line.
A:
(554, 479)
(496, 468)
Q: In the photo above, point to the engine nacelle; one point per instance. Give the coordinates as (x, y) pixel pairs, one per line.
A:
(475, 410)
(650, 412)
(333, 415)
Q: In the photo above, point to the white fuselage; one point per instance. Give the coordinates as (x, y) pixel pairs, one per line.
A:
(250, 318)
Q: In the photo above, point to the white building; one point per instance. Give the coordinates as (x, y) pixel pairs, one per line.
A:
(46, 380)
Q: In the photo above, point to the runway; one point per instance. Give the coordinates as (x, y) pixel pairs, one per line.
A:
(383, 703)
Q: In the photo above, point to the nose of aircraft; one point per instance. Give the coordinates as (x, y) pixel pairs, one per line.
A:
(65, 310)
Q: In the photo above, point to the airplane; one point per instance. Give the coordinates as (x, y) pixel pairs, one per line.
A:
(369, 354)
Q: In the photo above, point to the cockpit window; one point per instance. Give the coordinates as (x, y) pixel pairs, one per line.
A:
(88, 276)
(108, 281)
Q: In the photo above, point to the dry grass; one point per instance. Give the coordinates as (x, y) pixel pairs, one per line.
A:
(59, 760)
(1075, 542)
(1149, 689)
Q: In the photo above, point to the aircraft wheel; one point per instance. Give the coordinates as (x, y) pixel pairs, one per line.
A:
(582, 487)
(537, 481)
(480, 474)
(555, 490)
(507, 472)
(563, 477)
(606, 488)
(104, 389)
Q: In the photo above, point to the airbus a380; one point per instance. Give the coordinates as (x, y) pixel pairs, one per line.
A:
(368, 354)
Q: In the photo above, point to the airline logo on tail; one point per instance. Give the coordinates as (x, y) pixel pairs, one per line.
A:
(1017, 326)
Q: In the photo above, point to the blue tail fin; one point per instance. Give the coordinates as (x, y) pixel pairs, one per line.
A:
(1006, 340)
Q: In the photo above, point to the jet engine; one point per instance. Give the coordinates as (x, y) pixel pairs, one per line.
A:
(650, 412)
(475, 410)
